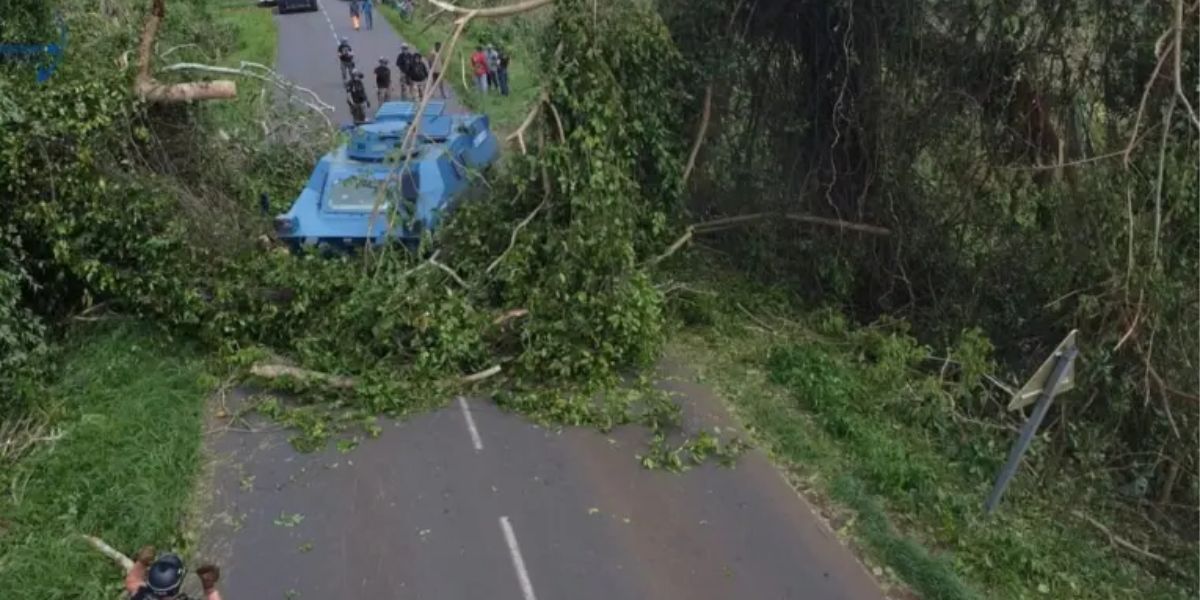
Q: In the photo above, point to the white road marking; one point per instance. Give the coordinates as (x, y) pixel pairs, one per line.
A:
(328, 20)
(466, 411)
(518, 562)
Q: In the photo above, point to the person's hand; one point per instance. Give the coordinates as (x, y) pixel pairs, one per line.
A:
(209, 575)
(145, 556)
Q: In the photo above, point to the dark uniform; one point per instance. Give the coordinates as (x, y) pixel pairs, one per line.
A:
(383, 83)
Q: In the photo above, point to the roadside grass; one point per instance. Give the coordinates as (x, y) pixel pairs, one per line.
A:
(868, 437)
(254, 39)
(255, 31)
(128, 405)
(516, 35)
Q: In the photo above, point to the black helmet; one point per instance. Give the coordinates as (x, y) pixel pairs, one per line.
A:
(165, 576)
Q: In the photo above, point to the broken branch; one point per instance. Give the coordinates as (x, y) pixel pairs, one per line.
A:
(491, 13)
(840, 224)
(509, 315)
(431, 19)
(674, 247)
(1137, 121)
(1187, 105)
(562, 134)
(704, 116)
(519, 134)
(248, 69)
(724, 223)
(433, 261)
(480, 376)
(116, 555)
(1120, 541)
(149, 89)
(271, 371)
(512, 241)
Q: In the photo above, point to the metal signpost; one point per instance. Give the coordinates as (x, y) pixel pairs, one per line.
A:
(1055, 375)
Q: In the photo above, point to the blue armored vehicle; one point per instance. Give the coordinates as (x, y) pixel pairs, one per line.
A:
(335, 208)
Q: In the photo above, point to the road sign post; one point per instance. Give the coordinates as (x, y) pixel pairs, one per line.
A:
(1052, 378)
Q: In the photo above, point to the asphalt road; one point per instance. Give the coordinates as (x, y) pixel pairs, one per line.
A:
(470, 502)
(307, 54)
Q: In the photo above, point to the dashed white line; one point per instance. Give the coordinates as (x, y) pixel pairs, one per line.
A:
(332, 29)
(466, 411)
(518, 562)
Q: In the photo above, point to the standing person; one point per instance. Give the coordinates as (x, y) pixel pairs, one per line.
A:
(435, 68)
(345, 58)
(418, 72)
(368, 13)
(355, 12)
(502, 71)
(383, 81)
(356, 97)
(493, 64)
(402, 60)
(479, 63)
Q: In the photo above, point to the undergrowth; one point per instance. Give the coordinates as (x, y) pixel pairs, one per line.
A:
(876, 431)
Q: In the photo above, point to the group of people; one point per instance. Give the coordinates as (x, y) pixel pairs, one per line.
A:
(491, 69)
(362, 11)
(414, 73)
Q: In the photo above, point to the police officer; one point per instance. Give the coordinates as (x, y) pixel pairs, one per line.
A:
(383, 81)
(402, 61)
(356, 94)
(345, 58)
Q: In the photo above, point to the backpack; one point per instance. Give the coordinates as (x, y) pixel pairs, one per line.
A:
(417, 71)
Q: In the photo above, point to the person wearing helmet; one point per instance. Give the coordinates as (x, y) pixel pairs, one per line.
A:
(383, 81)
(418, 72)
(402, 61)
(345, 58)
(163, 577)
(356, 97)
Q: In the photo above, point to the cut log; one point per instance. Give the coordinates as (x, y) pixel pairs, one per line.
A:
(268, 371)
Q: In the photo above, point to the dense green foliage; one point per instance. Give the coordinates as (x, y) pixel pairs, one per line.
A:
(126, 417)
(864, 420)
(597, 194)
(989, 139)
(940, 120)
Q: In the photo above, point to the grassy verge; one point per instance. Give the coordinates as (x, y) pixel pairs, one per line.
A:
(515, 36)
(870, 434)
(254, 39)
(128, 408)
(254, 29)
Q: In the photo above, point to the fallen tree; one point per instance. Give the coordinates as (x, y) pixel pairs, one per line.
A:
(151, 90)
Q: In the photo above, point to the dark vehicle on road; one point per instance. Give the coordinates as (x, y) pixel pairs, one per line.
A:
(286, 6)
